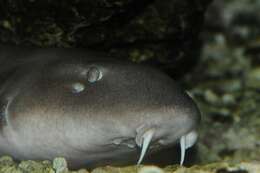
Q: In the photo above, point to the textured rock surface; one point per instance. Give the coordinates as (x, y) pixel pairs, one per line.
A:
(226, 86)
(227, 92)
(164, 32)
(58, 166)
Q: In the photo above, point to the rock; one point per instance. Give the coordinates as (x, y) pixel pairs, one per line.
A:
(226, 85)
(150, 169)
(228, 99)
(6, 160)
(46, 167)
(35, 167)
(60, 165)
(237, 18)
(211, 97)
(165, 33)
(7, 165)
(254, 78)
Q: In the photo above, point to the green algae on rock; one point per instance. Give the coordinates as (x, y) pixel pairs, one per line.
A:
(7, 165)
(225, 85)
(60, 165)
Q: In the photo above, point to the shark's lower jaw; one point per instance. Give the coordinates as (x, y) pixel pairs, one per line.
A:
(186, 141)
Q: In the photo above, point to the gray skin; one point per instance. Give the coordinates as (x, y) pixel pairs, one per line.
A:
(91, 110)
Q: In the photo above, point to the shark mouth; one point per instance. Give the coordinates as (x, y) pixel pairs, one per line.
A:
(186, 142)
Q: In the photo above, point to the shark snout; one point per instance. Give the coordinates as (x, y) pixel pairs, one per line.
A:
(148, 138)
(173, 127)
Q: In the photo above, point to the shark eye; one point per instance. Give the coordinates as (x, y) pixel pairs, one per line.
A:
(94, 74)
(77, 87)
